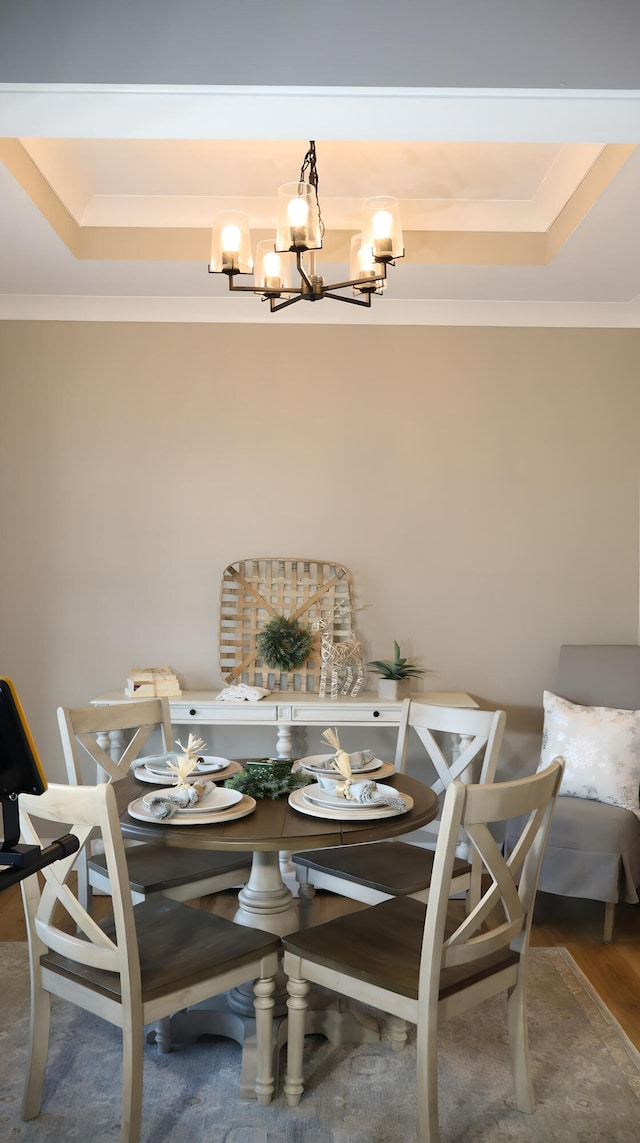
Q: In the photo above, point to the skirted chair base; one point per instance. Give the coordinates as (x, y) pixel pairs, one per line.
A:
(593, 852)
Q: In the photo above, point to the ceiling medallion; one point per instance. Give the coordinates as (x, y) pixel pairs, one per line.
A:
(300, 231)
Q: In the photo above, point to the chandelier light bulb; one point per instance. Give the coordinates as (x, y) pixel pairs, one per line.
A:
(382, 225)
(271, 271)
(366, 261)
(298, 217)
(298, 211)
(230, 238)
(231, 243)
(271, 264)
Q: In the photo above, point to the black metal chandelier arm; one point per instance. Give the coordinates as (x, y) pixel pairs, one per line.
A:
(275, 306)
(362, 284)
(302, 272)
(350, 301)
(242, 289)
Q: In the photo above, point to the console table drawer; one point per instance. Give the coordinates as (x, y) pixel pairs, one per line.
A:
(342, 714)
(233, 714)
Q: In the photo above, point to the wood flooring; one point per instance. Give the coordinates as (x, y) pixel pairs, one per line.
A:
(613, 970)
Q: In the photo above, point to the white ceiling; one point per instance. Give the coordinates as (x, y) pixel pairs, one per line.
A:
(517, 207)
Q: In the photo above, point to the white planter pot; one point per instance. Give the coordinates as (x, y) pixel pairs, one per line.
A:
(394, 689)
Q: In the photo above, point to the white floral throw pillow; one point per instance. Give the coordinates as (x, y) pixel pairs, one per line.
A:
(601, 749)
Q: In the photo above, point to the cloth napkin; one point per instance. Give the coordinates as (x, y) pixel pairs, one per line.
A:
(361, 758)
(166, 804)
(155, 759)
(368, 793)
(242, 693)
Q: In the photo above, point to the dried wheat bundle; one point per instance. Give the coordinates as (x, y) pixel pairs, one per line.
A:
(188, 760)
(341, 762)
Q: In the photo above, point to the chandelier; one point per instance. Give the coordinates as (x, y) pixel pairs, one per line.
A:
(299, 235)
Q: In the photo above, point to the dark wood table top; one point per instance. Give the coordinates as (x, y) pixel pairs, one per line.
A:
(275, 825)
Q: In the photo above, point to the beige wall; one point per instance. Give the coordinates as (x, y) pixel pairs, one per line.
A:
(480, 484)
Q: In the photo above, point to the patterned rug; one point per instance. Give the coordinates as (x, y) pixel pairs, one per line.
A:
(586, 1077)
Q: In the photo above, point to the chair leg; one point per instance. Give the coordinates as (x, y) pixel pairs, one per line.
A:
(609, 917)
(519, 1046)
(263, 1003)
(306, 894)
(38, 1050)
(132, 1070)
(306, 890)
(85, 895)
(398, 1034)
(427, 1079)
(163, 1035)
(297, 1008)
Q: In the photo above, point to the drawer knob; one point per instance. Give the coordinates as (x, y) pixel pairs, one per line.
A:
(192, 711)
(376, 714)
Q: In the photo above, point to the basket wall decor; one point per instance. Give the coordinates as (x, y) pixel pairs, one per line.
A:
(254, 591)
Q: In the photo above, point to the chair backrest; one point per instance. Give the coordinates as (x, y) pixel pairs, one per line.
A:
(594, 674)
(56, 919)
(460, 741)
(500, 920)
(85, 734)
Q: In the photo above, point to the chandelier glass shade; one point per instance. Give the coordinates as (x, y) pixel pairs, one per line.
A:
(299, 234)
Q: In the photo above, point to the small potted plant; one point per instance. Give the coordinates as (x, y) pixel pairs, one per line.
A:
(395, 675)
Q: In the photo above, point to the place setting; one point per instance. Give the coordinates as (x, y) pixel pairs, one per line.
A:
(157, 768)
(189, 801)
(341, 793)
(361, 762)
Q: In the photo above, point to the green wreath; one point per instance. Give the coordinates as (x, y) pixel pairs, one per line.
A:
(283, 644)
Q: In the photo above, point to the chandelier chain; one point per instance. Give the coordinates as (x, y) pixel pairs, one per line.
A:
(309, 163)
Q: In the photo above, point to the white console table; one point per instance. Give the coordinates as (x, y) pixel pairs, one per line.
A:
(285, 710)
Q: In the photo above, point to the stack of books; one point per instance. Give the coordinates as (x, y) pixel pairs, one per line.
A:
(152, 682)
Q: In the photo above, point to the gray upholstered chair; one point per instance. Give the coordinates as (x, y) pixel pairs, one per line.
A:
(593, 849)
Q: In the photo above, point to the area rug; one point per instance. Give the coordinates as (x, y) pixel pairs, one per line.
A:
(586, 1077)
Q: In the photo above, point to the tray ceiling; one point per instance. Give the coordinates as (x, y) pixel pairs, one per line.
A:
(544, 223)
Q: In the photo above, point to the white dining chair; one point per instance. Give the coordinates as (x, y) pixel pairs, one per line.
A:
(179, 873)
(138, 966)
(182, 874)
(424, 963)
(460, 743)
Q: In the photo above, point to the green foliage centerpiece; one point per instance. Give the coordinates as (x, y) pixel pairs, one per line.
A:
(283, 644)
(268, 778)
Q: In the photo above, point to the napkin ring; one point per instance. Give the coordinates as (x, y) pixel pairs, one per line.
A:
(343, 789)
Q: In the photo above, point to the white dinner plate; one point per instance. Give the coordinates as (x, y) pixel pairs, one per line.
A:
(320, 796)
(299, 802)
(207, 765)
(385, 770)
(321, 764)
(158, 762)
(213, 799)
(239, 809)
(162, 776)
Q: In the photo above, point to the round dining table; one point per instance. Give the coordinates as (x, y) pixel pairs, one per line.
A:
(274, 826)
(270, 827)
